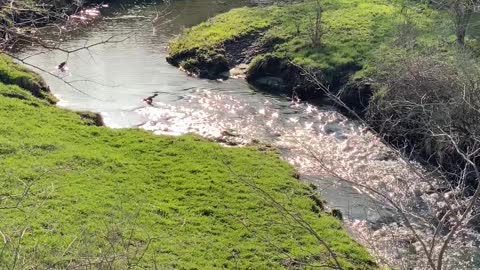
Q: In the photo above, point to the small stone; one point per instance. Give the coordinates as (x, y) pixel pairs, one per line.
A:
(337, 214)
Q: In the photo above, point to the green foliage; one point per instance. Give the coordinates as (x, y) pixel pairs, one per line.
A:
(419, 31)
(351, 29)
(132, 199)
(224, 27)
(12, 73)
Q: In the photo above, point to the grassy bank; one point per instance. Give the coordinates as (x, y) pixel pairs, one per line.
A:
(280, 38)
(74, 194)
(380, 57)
(351, 30)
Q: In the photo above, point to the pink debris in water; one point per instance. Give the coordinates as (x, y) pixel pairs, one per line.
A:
(93, 12)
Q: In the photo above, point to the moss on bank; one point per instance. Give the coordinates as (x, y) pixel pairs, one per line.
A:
(127, 198)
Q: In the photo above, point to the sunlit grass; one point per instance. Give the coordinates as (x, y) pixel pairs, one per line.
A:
(134, 199)
(353, 32)
(352, 29)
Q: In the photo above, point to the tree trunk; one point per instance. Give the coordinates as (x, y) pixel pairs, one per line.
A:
(463, 13)
(461, 33)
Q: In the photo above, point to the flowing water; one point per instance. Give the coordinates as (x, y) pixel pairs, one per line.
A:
(113, 78)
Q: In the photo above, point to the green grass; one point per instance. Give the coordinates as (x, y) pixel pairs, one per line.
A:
(224, 27)
(354, 30)
(141, 200)
(11, 73)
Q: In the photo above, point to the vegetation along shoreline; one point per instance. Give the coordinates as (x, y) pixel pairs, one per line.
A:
(75, 193)
(358, 55)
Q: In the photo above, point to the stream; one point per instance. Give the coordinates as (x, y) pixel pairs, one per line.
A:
(112, 79)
